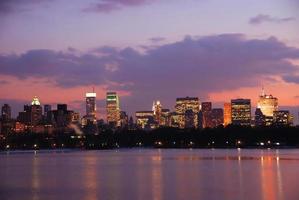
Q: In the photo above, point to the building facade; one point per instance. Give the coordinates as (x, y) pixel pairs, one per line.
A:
(282, 118)
(268, 104)
(91, 108)
(113, 109)
(241, 112)
(183, 108)
(157, 110)
(145, 120)
(206, 108)
(6, 112)
(36, 111)
(227, 114)
(216, 117)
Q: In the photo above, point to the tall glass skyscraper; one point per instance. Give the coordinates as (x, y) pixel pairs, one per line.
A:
(91, 108)
(113, 109)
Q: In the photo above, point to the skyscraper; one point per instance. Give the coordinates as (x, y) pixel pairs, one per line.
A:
(62, 117)
(6, 112)
(91, 104)
(145, 119)
(206, 108)
(36, 111)
(259, 118)
(189, 119)
(241, 112)
(282, 118)
(47, 113)
(187, 104)
(165, 117)
(227, 114)
(268, 104)
(113, 110)
(47, 108)
(25, 116)
(216, 117)
(157, 110)
(123, 119)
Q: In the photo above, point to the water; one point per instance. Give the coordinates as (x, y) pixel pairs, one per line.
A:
(150, 174)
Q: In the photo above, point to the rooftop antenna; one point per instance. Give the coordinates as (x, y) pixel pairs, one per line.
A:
(263, 91)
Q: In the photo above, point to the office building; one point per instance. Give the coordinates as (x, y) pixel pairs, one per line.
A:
(62, 117)
(6, 112)
(259, 118)
(165, 117)
(200, 119)
(123, 119)
(25, 115)
(241, 112)
(175, 120)
(157, 110)
(206, 108)
(47, 109)
(282, 118)
(113, 109)
(227, 114)
(268, 104)
(216, 117)
(189, 119)
(36, 111)
(91, 108)
(48, 117)
(145, 119)
(186, 104)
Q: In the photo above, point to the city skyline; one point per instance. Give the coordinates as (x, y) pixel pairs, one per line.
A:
(266, 106)
(102, 103)
(52, 48)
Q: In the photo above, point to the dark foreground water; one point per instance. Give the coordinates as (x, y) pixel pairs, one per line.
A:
(150, 174)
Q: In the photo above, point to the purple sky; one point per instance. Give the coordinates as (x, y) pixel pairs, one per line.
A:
(148, 50)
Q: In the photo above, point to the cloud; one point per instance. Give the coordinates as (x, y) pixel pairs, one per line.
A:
(192, 66)
(106, 6)
(112, 67)
(157, 39)
(14, 6)
(261, 18)
(291, 78)
(3, 82)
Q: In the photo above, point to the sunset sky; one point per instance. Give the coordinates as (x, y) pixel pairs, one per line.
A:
(148, 50)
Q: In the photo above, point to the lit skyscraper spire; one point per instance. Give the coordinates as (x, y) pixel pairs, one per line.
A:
(35, 101)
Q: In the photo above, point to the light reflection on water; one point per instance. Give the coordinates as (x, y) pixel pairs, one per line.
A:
(90, 178)
(150, 174)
